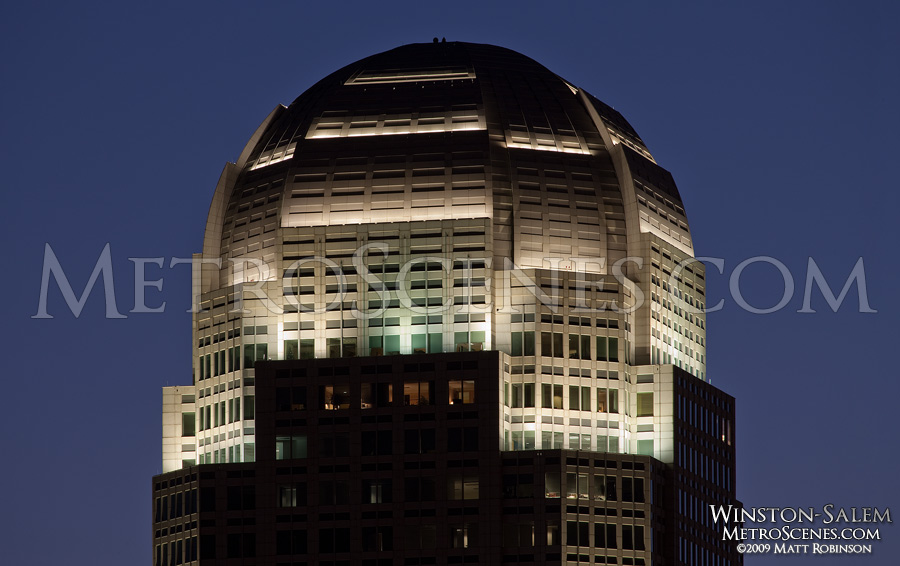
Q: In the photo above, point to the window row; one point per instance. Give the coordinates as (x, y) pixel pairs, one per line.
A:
(579, 347)
(377, 443)
(373, 491)
(338, 397)
(525, 440)
(220, 413)
(579, 398)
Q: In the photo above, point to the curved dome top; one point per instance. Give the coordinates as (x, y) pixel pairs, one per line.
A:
(444, 131)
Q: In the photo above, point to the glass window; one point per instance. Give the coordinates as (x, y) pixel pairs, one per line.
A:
(462, 391)
(418, 393)
(392, 345)
(546, 344)
(419, 343)
(307, 349)
(645, 404)
(558, 344)
(574, 397)
(645, 447)
(551, 485)
(291, 349)
(604, 535)
(462, 487)
(187, 424)
(529, 395)
(574, 346)
(333, 347)
(517, 348)
(529, 343)
(601, 348)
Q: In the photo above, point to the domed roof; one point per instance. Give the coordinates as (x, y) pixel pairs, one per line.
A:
(443, 131)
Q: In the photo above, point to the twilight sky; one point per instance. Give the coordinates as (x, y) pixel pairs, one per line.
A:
(778, 121)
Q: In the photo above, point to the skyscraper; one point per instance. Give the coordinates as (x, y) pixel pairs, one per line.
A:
(446, 313)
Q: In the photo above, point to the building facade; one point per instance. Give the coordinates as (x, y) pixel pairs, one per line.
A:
(446, 313)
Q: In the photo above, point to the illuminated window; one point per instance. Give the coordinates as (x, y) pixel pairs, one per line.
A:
(645, 404)
(334, 397)
(462, 391)
(418, 393)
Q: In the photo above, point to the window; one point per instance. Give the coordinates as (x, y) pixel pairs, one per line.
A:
(291, 349)
(462, 487)
(334, 540)
(577, 533)
(579, 398)
(292, 495)
(518, 485)
(378, 538)
(523, 395)
(645, 447)
(552, 485)
(632, 537)
(255, 353)
(290, 447)
(469, 341)
(290, 542)
(462, 391)
(334, 445)
(334, 396)
(579, 347)
(604, 535)
(645, 404)
(518, 534)
(427, 343)
(241, 545)
(607, 349)
(552, 344)
(554, 537)
(376, 395)
(377, 442)
(463, 536)
(334, 492)
(418, 393)
(420, 537)
(523, 440)
(187, 424)
(522, 344)
(633, 489)
(607, 400)
(377, 491)
(418, 489)
(290, 398)
(419, 441)
(576, 486)
(462, 439)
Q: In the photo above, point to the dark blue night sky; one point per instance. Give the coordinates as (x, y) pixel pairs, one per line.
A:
(777, 120)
